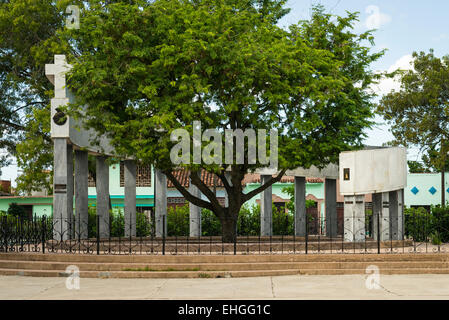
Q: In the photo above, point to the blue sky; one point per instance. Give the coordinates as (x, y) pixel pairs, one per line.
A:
(403, 26)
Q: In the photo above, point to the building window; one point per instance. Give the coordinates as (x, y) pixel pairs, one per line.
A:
(143, 175)
(175, 200)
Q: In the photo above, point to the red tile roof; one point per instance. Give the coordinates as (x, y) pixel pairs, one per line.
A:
(255, 178)
(183, 175)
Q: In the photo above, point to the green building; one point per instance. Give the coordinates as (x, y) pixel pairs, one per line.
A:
(423, 189)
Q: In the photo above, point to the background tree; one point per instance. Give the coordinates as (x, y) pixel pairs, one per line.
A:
(417, 167)
(155, 66)
(419, 111)
(17, 211)
(28, 40)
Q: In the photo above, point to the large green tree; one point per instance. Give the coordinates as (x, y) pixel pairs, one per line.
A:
(419, 111)
(29, 38)
(151, 67)
(27, 41)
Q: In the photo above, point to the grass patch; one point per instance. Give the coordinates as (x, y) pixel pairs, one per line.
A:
(204, 275)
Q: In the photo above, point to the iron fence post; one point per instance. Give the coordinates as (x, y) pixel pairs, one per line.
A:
(414, 231)
(235, 237)
(163, 235)
(98, 234)
(378, 232)
(199, 236)
(4, 232)
(21, 235)
(307, 234)
(44, 230)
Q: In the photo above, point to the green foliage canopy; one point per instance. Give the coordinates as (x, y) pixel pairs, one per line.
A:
(419, 111)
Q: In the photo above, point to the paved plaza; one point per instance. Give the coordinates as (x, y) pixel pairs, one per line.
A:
(282, 287)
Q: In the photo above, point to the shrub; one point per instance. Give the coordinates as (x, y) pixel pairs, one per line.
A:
(178, 221)
(283, 222)
(417, 223)
(248, 223)
(210, 224)
(17, 211)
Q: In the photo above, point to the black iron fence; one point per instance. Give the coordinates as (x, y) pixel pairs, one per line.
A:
(417, 231)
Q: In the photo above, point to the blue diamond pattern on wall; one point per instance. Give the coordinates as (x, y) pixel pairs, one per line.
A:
(432, 190)
(447, 189)
(415, 190)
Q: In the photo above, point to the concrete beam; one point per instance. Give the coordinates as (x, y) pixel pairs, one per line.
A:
(130, 197)
(331, 171)
(81, 195)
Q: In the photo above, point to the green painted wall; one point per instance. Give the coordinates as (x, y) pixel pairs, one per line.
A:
(423, 183)
(145, 196)
(41, 205)
(317, 189)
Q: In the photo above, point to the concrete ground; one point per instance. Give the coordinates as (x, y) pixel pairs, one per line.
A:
(283, 287)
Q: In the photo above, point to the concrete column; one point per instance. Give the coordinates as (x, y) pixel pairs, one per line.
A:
(160, 202)
(385, 217)
(359, 219)
(377, 212)
(266, 208)
(401, 217)
(63, 190)
(300, 206)
(381, 208)
(396, 215)
(348, 230)
(354, 218)
(103, 201)
(130, 197)
(81, 194)
(330, 198)
(194, 212)
(70, 191)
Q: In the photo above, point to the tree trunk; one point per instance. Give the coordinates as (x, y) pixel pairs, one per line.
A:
(229, 229)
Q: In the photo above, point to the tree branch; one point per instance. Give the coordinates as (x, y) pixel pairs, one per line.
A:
(256, 191)
(196, 180)
(189, 197)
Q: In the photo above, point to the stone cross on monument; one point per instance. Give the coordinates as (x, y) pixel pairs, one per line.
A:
(73, 142)
(56, 74)
(63, 153)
